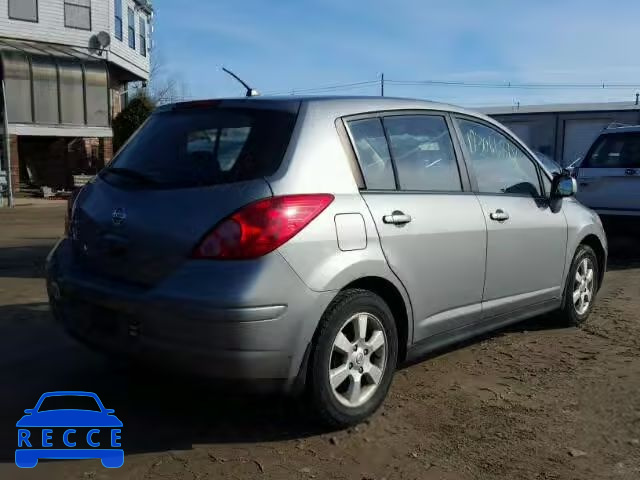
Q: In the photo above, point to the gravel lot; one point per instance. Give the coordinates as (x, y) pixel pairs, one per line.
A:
(530, 402)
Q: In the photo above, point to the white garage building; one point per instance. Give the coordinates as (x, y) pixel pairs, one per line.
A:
(564, 132)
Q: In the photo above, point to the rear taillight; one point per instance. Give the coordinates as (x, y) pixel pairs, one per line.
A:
(261, 227)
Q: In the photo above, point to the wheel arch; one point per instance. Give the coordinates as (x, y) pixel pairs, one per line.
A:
(594, 242)
(390, 293)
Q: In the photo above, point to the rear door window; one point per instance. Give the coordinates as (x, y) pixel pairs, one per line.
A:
(423, 154)
(373, 153)
(205, 146)
(618, 150)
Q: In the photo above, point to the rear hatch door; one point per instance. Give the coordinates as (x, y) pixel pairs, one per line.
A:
(187, 168)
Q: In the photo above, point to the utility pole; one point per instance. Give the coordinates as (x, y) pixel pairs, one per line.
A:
(7, 145)
(382, 84)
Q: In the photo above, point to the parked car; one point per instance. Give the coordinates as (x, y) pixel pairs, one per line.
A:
(346, 236)
(609, 175)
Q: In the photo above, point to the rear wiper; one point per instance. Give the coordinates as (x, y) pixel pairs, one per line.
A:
(133, 174)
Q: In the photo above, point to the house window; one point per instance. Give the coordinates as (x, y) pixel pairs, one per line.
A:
(77, 14)
(143, 37)
(131, 32)
(96, 94)
(23, 10)
(118, 19)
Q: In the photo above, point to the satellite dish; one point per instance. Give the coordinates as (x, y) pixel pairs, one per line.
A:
(104, 39)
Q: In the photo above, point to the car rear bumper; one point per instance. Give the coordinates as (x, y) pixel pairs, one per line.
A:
(226, 320)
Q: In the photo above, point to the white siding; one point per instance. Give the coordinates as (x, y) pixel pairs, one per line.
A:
(50, 28)
(120, 51)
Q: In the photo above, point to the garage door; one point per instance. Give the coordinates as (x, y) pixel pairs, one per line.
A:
(522, 130)
(579, 135)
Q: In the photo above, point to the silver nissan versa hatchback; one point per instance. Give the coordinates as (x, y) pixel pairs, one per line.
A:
(316, 243)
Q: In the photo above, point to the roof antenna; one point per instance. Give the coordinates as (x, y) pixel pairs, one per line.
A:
(251, 92)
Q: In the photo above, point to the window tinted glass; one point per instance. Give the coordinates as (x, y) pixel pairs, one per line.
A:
(183, 148)
(77, 14)
(118, 19)
(546, 183)
(423, 153)
(23, 10)
(229, 144)
(616, 151)
(71, 92)
(143, 36)
(131, 29)
(45, 89)
(373, 153)
(500, 166)
(17, 78)
(97, 94)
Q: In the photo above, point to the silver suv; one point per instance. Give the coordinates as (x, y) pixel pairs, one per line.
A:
(315, 243)
(609, 175)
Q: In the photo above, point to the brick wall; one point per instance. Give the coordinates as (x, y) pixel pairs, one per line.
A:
(15, 163)
(106, 150)
(52, 161)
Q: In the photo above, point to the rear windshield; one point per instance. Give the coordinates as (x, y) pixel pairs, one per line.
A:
(619, 150)
(199, 147)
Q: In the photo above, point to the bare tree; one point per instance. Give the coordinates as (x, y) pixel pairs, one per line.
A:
(164, 85)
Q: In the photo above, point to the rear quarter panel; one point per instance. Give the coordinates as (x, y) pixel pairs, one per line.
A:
(316, 162)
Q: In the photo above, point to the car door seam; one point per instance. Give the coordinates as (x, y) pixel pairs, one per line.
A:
(384, 254)
(486, 250)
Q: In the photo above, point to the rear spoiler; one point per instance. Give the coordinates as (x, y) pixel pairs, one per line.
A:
(287, 105)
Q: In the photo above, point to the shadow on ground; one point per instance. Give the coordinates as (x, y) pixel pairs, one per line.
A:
(160, 411)
(23, 262)
(624, 252)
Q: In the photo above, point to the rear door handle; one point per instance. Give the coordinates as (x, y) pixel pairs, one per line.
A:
(397, 218)
(499, 215)
(630, 171)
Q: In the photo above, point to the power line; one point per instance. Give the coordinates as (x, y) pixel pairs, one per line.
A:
(326, 88)
(514, 85)
(382, 81)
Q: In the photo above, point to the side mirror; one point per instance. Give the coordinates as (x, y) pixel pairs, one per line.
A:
(29, 411)
(109, 411)
(563, 185)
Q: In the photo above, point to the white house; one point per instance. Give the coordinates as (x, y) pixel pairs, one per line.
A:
(65, 66)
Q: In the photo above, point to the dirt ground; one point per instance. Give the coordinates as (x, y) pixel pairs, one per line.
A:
(530, 402)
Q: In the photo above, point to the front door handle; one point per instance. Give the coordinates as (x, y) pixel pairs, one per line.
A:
(499, 215)
(397, 218)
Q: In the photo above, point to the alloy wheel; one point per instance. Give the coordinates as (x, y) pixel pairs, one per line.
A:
(358, 359)
(583, 286)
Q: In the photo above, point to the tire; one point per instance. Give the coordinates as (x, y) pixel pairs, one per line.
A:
(366, 363)
(574, 313)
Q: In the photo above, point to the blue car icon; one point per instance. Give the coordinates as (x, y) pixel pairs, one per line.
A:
(69, 425)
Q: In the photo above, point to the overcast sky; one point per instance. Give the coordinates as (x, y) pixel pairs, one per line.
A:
(287, 45)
